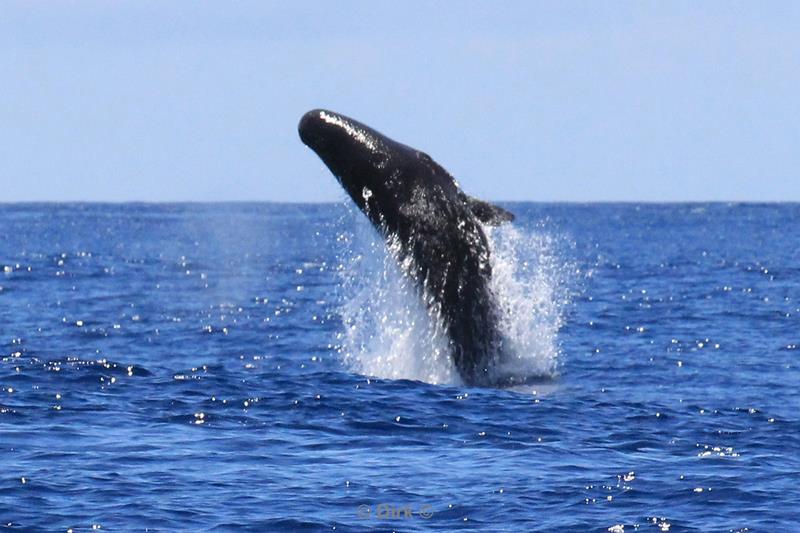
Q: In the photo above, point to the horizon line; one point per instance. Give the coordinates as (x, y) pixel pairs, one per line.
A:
(335, 202)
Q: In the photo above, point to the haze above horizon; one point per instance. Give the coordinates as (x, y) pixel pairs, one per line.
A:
(567, 101)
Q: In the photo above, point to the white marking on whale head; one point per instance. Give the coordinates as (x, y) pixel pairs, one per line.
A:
(352, 131)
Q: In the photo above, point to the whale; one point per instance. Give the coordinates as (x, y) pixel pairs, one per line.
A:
(435, 230)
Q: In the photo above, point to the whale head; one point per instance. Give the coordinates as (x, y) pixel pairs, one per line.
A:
(379, 174)
(389, 181)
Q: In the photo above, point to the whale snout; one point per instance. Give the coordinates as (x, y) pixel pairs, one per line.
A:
(312, 128)
(350, 149)
(325, 131)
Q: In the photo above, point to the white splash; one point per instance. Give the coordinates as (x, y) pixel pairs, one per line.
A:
(389, 333)
(527, 280)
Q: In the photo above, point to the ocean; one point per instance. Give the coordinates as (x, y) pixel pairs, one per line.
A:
(265, 367)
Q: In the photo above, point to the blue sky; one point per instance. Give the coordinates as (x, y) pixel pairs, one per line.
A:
(545, 101)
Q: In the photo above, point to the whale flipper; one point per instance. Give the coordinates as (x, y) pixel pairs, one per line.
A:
(488, 213)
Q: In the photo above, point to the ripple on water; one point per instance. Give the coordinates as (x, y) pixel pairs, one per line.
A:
(159, 368)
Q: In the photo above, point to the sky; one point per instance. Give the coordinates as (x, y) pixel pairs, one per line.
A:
(519, 100)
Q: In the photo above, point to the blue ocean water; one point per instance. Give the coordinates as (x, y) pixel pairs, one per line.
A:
(259, 367)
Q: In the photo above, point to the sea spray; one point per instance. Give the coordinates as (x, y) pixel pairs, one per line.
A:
(528, 282)
(390, 333)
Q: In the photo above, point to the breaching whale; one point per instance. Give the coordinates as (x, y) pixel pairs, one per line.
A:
(414, 202)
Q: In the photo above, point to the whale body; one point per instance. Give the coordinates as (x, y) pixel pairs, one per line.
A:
(414, 202)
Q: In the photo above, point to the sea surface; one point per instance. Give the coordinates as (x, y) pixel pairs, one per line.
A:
(265, 367)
